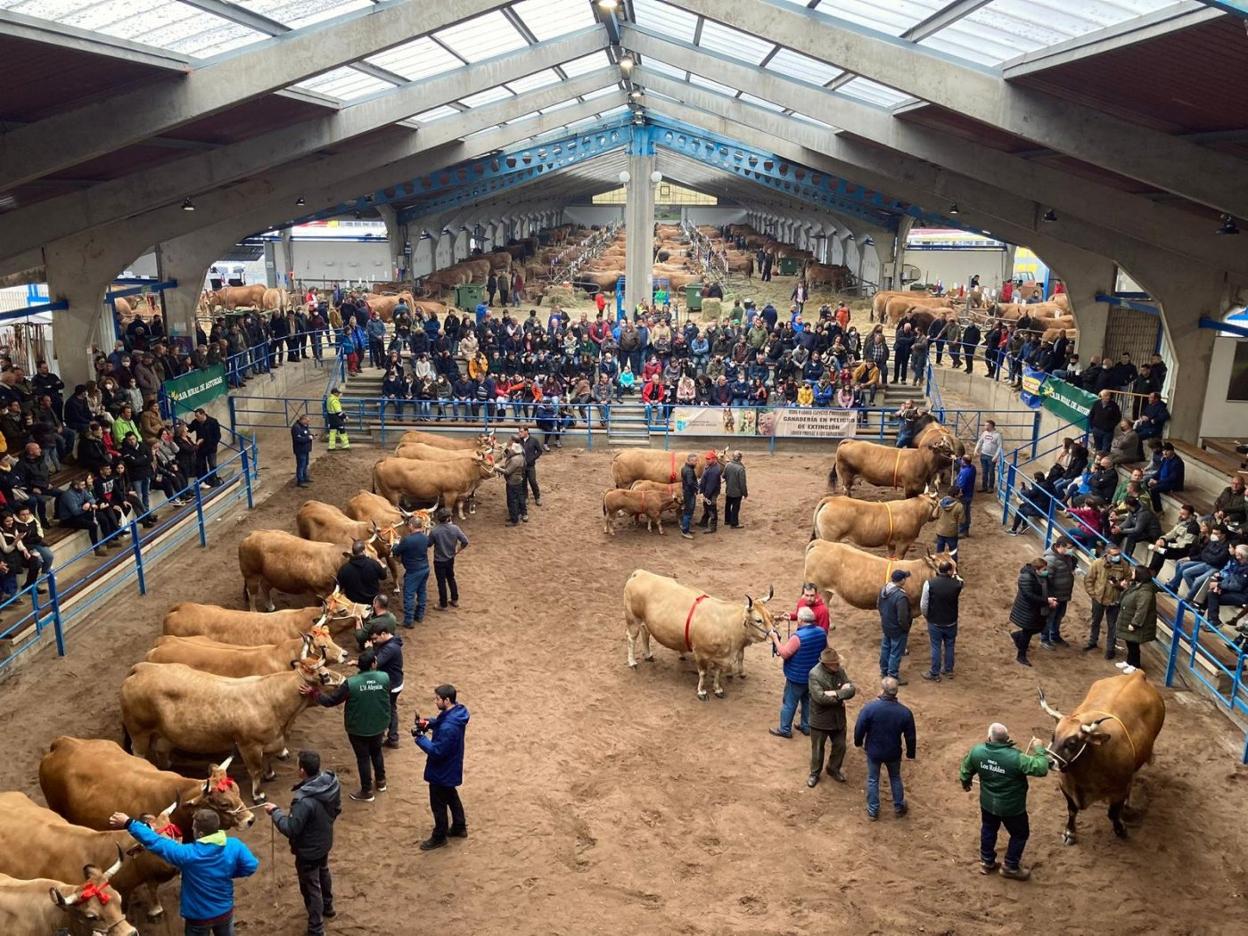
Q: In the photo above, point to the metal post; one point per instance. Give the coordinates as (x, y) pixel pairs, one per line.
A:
(229, 400)
(1035, 432)
(381, 419)
(1009, 492)
(199, 514)
(137, 548)
(1048, 529)
(247, 479)
(1176, 635)
(55, 600)
(34, 607)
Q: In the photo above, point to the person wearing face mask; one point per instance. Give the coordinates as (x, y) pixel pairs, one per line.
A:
(1031, 604)
(1105, 581)
(1194, 572)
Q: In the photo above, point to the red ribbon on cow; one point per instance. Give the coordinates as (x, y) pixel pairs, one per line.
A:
(689, 620)
(224, 785)
(170, 831)
(90, 890)
(673, 475)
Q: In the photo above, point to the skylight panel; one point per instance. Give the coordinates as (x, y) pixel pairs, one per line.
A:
(560, 106)
(655, 65)
(732, 42)
(547, 19)
(536, 80)
(890, 16)
(712, 85)
(482, 37)
(488, 96)
(601, 92)
(165, 24)
(585, 64)
(523, 117)
(420, 58)
(346, 84)
(297, 13)
(873, 93)
(436, 113)
(769, 105)
(811, 120)
(665, 20)
(803, 67)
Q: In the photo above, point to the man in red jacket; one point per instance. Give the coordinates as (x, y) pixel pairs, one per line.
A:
(813, 600)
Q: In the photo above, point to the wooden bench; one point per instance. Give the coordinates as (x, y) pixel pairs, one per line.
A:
(1211, 459)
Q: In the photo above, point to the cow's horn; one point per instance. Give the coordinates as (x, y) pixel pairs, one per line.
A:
(1048, 709)
(771, 593)
(116, 865)
(60, 900)
(1090, 726)
(225, 764)
(172, 807)
(303, 650)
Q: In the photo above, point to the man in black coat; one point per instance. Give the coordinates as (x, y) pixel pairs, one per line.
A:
(301, 443)
(208, 437)
(360, 576)
(709, 487)
(532, 452)
(310, 827)
(1031, 605)
(970, 340)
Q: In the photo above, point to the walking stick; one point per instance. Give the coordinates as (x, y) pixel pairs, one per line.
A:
(273, 859)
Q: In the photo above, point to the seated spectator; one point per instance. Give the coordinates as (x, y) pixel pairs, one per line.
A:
(1230, 507)
(1229, 587)
(1139, 526)
(1125, 447)
(1169, 476)
(1087, 513)
(1180, 543)
(1033, 501)
(77, 508)
(1153, 417)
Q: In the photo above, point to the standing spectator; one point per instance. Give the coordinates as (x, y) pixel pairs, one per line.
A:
(966, 487)
(139, 462)
(1003, 771)
(1031, 605)
(310, 827)
(829, 690)
(208, 865)
(895, 621)
(1061, 565)
(970, 340)
(989, 448)
(1137, 616)
(734, 491)
(907, 422)
(413, 551)
(532, 452)
(708, 487)
(448, 540)
(882, 725)
(1105, 581)
(444, 766)
(389, 649)
(939, 604)
(800, 653)
(689, 494)
(208, 438)
(366, 717)
(513, 470)
(301, 442)
(376, 332)
(949, 522)
(1103, 416)
(814, 601)
(361, 575)
(336, 420)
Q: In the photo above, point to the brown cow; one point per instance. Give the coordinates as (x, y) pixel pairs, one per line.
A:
(253, 628)
(168, 705)
(895, 524)
(422, 451)
(649, 465)
(857, 576)
(439, 440)
(37, 843)
(638, 503)
(239, 660)
(43, 905)
(447, 484)
(912, 470)
(87, 780)
(902, 305)
(1098, 748)
(325, 523)
(274, 560)
(384, 306)
(686, 620)
(232, 297)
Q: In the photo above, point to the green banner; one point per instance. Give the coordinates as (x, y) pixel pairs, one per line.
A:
(1067, 401)
(197, 388)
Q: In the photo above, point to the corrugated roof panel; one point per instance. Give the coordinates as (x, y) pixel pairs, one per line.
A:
(759, 102)
(666, 20)
(345, 83)
(734, 43)
(663, 68)
(482, 37)
(536, 80)
(420, 58)
(712, 85)
(585, 64)
(601, 92)
(436, 113)
(488, 96)
(889, 16)
(297, 13)
(863, 89)
(547, 19)
(803, 67)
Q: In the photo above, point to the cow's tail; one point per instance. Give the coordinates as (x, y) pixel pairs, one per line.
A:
(831, 481)
(127, 743)
(814, 521)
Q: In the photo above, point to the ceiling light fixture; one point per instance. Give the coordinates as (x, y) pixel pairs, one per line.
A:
(188, 205)
(635, 94)
(626, 62)
(1049, 216)
(953, 209)
(1228, 225)
(609, 6)
(299, 202)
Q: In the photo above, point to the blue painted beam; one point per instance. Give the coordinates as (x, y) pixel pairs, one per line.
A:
(59, 306)
(148, 285)
(1240, 330)
(1123, 302)
(1234, 7)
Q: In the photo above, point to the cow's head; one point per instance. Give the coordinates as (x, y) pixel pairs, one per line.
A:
(1072, 736)
(336, 607)
(758, 618)
(319, 642)
(933, 500)
(95, 901)
(313, 671)
(485, 465)
(221, 794)
(383, 539)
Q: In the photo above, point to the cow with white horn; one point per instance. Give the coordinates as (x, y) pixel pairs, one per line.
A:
(43, 905)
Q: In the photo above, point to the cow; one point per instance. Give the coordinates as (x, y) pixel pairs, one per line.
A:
(233, 297)
(857, 576)
(638, 503)
(819, 274)
(325, 523)
(912, 470)
(37, 843)
(274, 560)
(454, 443)
(274, 300)
(928, 435)
(687, 620)
(254, 628)
(225, 659)
(422, 451)
(45, 906)
(648, 465)
(87, 780)
(366, 505)
(169, 705)
(384, 306)
(1098, 747)
(446, 484)
(900, 306)
(895, 524)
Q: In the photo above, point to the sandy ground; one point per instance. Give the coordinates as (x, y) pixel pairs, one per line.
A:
(602, 800)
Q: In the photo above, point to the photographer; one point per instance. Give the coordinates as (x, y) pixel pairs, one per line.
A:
(444, 769)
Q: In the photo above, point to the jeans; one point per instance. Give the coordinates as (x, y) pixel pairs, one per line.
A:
(988, 480)
(834, 741)
(225, 928)
(1233, 599)
(894, 783)
(317, 888)
(393, 733)
(686, 513)
(1052, 631)
(1189, 572)
(444, 572)
(795, 693)
(942, 638)
(965, 528)
(949, 543)
(1019, 830)
(301, 467)
(415, 585)
(444, 800)
(1101, 439)
(891, 651)
(368, 760)
(1110, 613)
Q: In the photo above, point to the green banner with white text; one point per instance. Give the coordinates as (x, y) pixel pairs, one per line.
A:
(198, 388)
(1067, 401)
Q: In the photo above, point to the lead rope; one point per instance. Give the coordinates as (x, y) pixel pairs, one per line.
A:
(896, 466)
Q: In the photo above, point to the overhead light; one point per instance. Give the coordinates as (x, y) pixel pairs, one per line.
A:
(188, 205)
(1228, 225)
(1049, 216)
(656, 177)
(624, 176)
(635, 94)
(446, 231)
(953, 209)
(425, 235)
(626, 62)
(609, 5)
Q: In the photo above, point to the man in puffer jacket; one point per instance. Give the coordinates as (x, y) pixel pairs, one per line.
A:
(895, 620)
(310, 827)
(949, 522)
(1061, 581)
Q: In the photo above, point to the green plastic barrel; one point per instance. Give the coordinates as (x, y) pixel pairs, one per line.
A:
(693, 297)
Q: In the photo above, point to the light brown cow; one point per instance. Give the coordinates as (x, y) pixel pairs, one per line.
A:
(252, 628)
(324, 523)
(447, 484)
(903, 305)
(37, 843)
(274, 300)
(422, 451)
(894, 524)
(239, 660)
(637, 503)
(43, 906)
(233, 297)
(87, 780)
(649, 465)
(857, 576)
(1099, 747)
(687, 620)
(439, 440)
(274, 560)
(384, 306)
(882, 465)
(819, 274)
(168, 705)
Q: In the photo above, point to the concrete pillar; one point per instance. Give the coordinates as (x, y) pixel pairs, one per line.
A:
(898, 249)
(286, 266)
(82, 278)
(1085, 274)
(187, 259)
(639, 231)
(394, 242)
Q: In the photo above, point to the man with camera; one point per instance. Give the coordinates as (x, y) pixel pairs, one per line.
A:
(442, 740)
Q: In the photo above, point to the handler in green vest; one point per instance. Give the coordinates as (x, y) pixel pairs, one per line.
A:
(367, 717)
(1003, 771)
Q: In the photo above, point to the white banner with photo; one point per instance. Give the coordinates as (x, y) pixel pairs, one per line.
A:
(790, 422)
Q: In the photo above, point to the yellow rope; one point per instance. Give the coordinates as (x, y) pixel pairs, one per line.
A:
(1134, 755)
(888, 571)
(897, 466)
(889, 509)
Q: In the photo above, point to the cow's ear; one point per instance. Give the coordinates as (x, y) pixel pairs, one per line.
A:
(1096, 737)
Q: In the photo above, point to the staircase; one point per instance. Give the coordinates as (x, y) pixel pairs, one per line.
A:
(628, 426)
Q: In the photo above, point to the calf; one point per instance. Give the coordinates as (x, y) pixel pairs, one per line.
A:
(640, 504)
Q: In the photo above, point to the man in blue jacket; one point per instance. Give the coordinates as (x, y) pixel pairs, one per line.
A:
(413, 551)
(1169, 477)
(800, 654)
(881, 726)
(301, 443)
(208, 865)
(444, 769)
(966, 485)
(895, 620)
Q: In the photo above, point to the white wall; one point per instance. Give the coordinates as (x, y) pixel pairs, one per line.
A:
(958, 266)
(1223, 417)
(327, 260)
(590, 215)
(707, 214)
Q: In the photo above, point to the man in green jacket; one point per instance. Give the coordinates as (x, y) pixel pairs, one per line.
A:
(367, 717)
(381, 615)
(1003, 771)
(829, 689)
